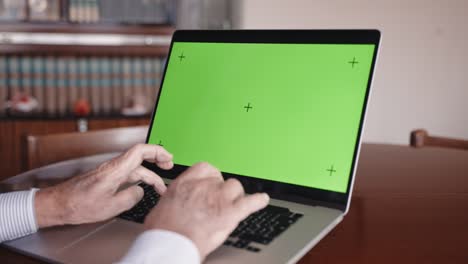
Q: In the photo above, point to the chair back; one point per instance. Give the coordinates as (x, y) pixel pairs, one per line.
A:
(421, 138)
(46, 149)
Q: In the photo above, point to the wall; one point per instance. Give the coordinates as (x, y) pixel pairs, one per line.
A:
(422, 76)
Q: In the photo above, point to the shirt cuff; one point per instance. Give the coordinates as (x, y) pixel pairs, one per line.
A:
(17, 216)
(162, 246)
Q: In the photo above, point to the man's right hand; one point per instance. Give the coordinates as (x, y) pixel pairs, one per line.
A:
(200, 205)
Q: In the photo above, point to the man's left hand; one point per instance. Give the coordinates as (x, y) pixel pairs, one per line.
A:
(98, 194)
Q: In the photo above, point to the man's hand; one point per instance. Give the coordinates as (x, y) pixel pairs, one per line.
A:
(200, 205)
(97, 195)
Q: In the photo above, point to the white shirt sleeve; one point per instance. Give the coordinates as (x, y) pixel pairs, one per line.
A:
(17, 217)
(161, 246)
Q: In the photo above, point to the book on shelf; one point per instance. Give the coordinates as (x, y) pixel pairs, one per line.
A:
(94, 84)
(72, 10)
(73, 82)
(62, 85)
(136, 11)
(83, 82)
(38, 81)
(83, 11)
(50, 86)
(147, 84)
(105, 86)
(110, 10)
(25, 75)
(137, 80)
(93, 11)
(14, 80)
(127, 83)
(117, 83)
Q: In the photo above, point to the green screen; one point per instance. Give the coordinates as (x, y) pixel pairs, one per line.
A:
(283, 112)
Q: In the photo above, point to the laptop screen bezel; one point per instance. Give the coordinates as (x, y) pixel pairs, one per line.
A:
(280, 190)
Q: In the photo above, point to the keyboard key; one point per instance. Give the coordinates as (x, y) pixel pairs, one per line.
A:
(296, 216)
(241, 243)
(228, 243)
(256, 238)
(253, 249)
(277, 209)
(144, 206)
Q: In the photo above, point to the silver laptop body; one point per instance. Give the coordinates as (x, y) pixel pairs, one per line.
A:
(322, 208)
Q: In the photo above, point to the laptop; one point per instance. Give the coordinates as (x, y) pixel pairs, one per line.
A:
(282, 111)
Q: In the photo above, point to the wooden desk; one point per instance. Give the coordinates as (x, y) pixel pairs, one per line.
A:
(409, 206)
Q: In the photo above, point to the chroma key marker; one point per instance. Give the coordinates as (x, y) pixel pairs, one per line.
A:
(181, 57)
(354, 61)
(248, 107)
(331, 170)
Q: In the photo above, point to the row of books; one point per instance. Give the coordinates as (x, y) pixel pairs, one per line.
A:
(57, 83)
(83, 11)
(139, 12)
(89, 11)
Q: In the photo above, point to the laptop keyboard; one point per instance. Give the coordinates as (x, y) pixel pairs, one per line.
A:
(142, 208)
(261, 227)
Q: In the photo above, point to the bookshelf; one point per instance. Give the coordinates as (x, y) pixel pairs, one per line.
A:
(93, 43)
(84, 60)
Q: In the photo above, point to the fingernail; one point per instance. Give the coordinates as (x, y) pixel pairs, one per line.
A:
(160, 190)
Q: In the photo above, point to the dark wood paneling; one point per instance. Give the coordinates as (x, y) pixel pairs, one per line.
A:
(113, 123)
(7, 149)
(159, 51)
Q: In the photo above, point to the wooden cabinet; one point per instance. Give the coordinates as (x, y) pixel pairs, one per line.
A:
(13, 134)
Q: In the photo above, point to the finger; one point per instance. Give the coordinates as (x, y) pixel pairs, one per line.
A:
(232, 189)
(249, 204)
(167, 165)
(126, 199)
(133, 158)
(200, 171)
(149, 177)
(152, 153)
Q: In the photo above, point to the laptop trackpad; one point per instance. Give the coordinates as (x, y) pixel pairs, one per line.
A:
(107, 244)
(48, 242)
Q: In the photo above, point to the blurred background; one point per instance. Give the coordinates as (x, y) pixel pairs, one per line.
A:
(79, 65)
(421, 79)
